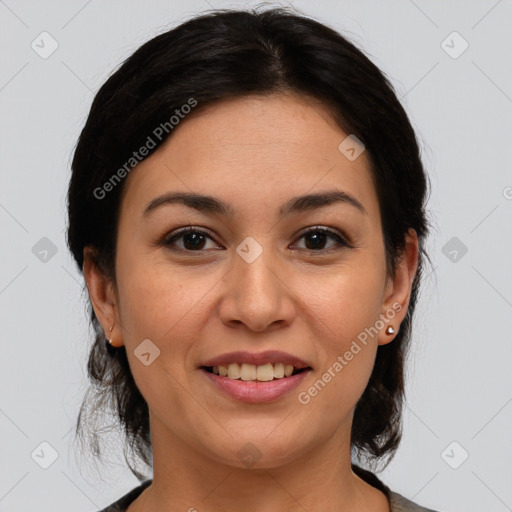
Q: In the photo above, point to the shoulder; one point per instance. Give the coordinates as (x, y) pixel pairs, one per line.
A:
(400, 504)
(122, 503)
(397, 502)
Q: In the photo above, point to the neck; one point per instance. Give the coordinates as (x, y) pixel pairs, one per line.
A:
(317, 480)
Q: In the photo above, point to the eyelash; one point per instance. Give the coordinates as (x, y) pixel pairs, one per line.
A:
(341, 241)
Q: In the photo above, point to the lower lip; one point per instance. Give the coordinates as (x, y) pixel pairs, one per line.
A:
(256, 391)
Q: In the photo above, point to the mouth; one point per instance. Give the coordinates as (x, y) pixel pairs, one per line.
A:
(256, 378)
(251, 386)
(251, 372)
(250, 366)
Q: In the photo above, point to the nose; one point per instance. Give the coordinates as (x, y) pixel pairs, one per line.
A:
(257, 295)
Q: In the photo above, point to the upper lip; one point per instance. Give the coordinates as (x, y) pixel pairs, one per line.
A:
(258, 359)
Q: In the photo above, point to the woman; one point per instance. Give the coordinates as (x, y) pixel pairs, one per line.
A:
(247, 208)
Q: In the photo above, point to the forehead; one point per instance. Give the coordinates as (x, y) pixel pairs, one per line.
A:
(260, 148)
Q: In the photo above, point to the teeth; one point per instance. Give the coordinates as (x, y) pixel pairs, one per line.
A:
(233, 371)
(279, 370)
(247, 371)
(263, 373)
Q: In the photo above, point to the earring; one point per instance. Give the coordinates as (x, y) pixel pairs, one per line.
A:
(111, 349)
(110, 339)
(390, 330)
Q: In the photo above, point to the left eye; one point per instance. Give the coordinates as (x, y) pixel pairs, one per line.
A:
(317, 237)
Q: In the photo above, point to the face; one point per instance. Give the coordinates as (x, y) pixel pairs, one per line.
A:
(259, 270)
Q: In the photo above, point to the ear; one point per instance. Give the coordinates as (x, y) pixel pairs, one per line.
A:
(398, 289)
(102, 295)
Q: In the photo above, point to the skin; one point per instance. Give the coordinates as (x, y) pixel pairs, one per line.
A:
(254, 153)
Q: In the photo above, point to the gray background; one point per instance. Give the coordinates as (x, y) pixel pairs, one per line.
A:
(459, 387)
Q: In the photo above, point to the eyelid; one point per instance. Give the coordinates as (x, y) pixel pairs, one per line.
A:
(170, 236)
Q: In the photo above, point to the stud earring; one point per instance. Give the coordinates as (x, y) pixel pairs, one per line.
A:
(110, 339)
(111, 349)
(390, 330)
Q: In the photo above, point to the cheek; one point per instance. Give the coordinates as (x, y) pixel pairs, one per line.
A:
(164, 307)
(343, 307)
(156, 302)
(344, 302)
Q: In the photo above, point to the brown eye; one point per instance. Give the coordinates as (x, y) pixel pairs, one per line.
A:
(316, 238)
(191, 240)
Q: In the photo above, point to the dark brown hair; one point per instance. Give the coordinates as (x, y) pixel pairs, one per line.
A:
(225, 54)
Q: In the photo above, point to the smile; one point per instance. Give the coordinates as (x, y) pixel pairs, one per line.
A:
(251, 372)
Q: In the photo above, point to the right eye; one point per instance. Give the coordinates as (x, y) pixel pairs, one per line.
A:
(192, 240)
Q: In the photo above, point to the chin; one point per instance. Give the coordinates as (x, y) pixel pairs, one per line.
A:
(261, 450)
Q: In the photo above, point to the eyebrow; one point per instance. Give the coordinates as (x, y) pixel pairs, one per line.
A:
(210, 204)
